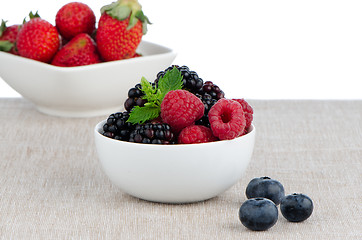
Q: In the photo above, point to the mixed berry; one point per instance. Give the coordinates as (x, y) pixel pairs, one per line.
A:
(190, 79)
(187, 109)
(134, 98)
(296, 207)
(260, 212)
(153, 132)
(265, 187)
(117, 126)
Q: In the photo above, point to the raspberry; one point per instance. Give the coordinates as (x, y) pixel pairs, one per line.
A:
(248, 111)
(196, 134)
(180, 109)
(227, 120)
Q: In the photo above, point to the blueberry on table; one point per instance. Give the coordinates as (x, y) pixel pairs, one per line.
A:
(265, 187)
(258, 214)
(296, 207)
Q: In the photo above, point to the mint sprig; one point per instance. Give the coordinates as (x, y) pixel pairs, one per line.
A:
(143, 114)
(172, 80)
(151, 93)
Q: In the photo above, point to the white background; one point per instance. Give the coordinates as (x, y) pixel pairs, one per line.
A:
(267, 49)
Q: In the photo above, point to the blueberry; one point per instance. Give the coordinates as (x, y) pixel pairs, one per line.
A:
(258, 214)
(296, 207)
(265, 187)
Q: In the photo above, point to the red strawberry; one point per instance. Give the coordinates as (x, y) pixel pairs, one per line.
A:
(79, 51)
(120, 29)
(74, 18)
(38, 40)
(8, 37)
(137, 55)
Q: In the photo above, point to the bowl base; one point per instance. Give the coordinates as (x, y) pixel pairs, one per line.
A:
(170, 200)
(176, 202)
(69, 113)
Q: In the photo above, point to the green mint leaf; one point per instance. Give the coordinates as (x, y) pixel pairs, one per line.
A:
(150, 92)
(143, 114)
(172, 80)
(146, 87)
(151, 104)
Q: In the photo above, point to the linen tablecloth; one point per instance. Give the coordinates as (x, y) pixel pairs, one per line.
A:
(52, 185)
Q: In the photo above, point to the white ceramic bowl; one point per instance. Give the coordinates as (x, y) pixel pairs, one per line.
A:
(83, 91)
(177, 173)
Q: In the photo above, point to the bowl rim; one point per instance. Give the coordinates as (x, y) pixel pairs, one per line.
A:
(99, 127)
(166, 51)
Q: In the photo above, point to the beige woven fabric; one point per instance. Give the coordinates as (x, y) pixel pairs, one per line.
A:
(52, 185)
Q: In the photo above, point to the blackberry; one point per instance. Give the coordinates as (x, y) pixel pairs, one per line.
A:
(117, 126)
(191, 81)
(135, 98)
(152, 133)
(208, 102)
(213, 90)
(209, 95)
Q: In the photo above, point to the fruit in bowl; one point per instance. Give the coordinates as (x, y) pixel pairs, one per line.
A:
(176, 173)
(179, 139)
(65, 73)
(8, 37)
(117, 36)
(179, 99)
(83, 91)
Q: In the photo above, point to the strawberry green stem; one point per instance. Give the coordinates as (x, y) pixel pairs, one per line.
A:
(2, 27)
(6, 46)
(122, 9)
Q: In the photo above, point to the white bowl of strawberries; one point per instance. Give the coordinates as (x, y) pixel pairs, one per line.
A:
(185, 143)
(78, 69)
